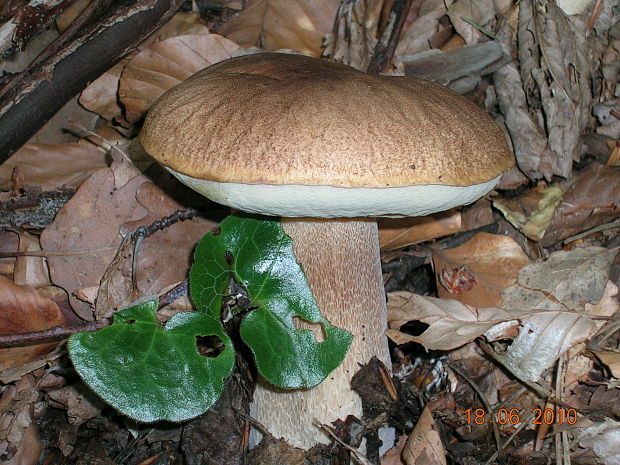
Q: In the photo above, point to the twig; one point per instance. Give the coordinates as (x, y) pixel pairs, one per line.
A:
(359, 456)
(173, 294)
(51, 334)
(35, 96)
(44, 253)
(384, 50)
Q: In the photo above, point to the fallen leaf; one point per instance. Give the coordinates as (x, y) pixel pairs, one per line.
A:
(417, 36)
(79, 402)
(172, 246)
(591, 200)
(611, 359)
(604, 439)
(87, 229)
(451, 323)
(566, 281)
(479, 12)
(23, 309)
(543, 338)
(395, 233)
(101, 95)
(493, 261)
(276, 24)
(392, 456)
(424, 443)
(53, 165)
(353, 37)
(165, 64)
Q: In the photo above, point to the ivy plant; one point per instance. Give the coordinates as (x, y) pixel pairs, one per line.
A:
(151, 371)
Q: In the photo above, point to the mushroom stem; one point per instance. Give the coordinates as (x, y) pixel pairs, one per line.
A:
(340, 258)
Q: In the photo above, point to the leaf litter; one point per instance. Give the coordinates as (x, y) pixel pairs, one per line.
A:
(529, 313)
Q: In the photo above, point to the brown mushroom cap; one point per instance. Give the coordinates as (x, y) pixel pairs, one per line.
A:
(276, 119)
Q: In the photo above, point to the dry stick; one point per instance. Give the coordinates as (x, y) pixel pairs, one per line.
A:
(384, 50)
(44, 90)
(359, 456)
(50, 335)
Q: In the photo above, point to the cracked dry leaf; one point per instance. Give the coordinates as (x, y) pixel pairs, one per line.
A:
(24, 309)
(19, 441)
(492, 260)
(277, 24)
(533, 211)
(451, 323)
(165, 64)
(547, 101)
(551, 300)
(566, 281)
(424, 444)
(416, 38)
(479, 12)
(354, 36)
(591, 200)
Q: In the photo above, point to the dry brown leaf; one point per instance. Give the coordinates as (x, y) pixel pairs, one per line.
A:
(550, 300)
(19, 442)
(79, 407)
(424, 444)
(493, 262)
(354, 38)
(546, 101)
(9, 242)
(451, 323)
(533, 211)
(165, 64)
(604, 439)
(53, 165)
(23, 309)
(611, 359)
(395, 233)
(393, 456)
(591, 200)
(479, 12)
(89, 222)
(163, 258)
(566, 281)
(417, 36)
(101, 95)
(276, 24)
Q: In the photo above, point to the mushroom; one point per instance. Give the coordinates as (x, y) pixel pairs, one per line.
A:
(327, 148)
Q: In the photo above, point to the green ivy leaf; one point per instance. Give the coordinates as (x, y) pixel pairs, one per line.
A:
(259, 255)
(153, 372)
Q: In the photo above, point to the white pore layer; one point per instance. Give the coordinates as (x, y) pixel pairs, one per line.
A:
(293, 201)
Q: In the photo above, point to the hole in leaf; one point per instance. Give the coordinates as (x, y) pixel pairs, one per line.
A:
(217, 231)
(228, 256)
(209, 346)
(129, 322)
(317, 328)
